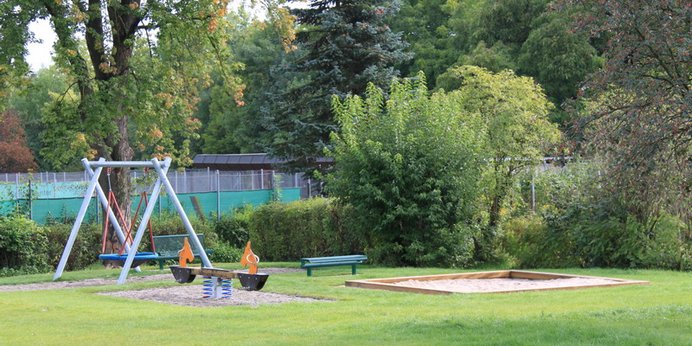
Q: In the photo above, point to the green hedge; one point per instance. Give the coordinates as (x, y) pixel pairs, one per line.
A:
(307, 228)
(86, 248)
(23, 246)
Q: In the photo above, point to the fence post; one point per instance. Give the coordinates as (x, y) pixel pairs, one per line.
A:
(261, 179)
(533, 190)
(218, 196)
(16, 187)
(30, 204)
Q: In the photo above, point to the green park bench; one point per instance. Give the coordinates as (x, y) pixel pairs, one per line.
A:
(167, 246)
(332, 261)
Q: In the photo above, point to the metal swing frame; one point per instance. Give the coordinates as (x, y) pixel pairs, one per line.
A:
(94, 169)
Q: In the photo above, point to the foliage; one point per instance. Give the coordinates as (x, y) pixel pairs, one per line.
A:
(514, 112)
(135, 77)
(226, 253)
(558, 58)
(15, 155)
(169, 222)
(23, 246)
(637, 115)
(233, 228)
(424, 26)
(409, 166)
(495, 58)
(307, 228)
(236, 126)
(86, 248)
(528, 36)
(46, 86)
(578, 223)
(341, 47)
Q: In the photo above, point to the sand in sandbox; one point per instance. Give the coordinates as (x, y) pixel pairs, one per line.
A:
(501, 284)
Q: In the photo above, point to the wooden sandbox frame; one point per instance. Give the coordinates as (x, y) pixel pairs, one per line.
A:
(388, 283)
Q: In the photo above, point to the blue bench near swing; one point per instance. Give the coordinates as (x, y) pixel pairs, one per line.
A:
(168, 246)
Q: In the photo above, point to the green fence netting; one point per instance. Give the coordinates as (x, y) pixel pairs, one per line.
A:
(209, 203)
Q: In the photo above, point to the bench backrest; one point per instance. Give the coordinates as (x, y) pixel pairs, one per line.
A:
(335, 259)
(169, 245)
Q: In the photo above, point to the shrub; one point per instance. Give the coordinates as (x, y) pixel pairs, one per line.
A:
(314, 227)
(86, 248)
(234, 228)
(23, 246)
(409, 175)
(225, 253)
(170, 223)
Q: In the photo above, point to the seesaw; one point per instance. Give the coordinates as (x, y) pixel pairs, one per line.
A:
(217, 282)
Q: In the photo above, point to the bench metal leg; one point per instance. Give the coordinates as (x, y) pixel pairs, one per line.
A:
(309, 271)
(160, 264)
(353, 269)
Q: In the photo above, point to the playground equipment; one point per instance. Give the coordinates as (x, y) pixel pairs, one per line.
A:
(140, 257)
(129, 254)
(217, 283)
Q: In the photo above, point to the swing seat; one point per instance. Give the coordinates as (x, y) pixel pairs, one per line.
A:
(140, 258)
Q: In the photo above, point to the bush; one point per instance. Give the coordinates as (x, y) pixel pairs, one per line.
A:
(225, 253)
(86, 248)
(307, 228)
(23, 246)
(600, 234)
(411, 178)
(234, 228)
(170, 223)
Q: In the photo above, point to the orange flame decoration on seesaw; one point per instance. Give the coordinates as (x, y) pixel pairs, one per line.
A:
(249, 258)
(185, 255)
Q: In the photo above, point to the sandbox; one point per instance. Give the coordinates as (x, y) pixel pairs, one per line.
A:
(501, 281)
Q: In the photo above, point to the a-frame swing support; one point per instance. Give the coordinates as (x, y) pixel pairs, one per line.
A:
(94, 169)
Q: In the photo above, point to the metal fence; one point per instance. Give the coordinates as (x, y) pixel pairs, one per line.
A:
(46, 185)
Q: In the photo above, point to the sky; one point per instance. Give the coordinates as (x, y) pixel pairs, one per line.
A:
(40, 53)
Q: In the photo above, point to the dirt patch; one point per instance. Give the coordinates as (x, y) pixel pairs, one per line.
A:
(187, 294)
(191, 295)
(501, 285)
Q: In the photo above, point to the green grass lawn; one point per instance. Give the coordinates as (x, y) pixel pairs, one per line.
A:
(656, 314)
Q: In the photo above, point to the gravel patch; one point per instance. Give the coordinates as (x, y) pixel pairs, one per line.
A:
(191, 295)
(184, 294)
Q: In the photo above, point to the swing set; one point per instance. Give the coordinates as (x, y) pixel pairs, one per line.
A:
(120, 256)
(128, 253)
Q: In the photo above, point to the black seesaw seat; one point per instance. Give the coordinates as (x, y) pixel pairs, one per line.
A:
(250, 282)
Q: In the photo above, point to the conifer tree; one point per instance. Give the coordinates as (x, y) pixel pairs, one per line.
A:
(341, 46)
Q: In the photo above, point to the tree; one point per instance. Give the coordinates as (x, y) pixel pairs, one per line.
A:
(13, 28)
(134, 94)
(515, 114)
(424, 26)
(559, 58)
(409, 165)
(15, 155)
(508, 21)
(342, 46)
(33, 101)
(236, 127)
(638, 113)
